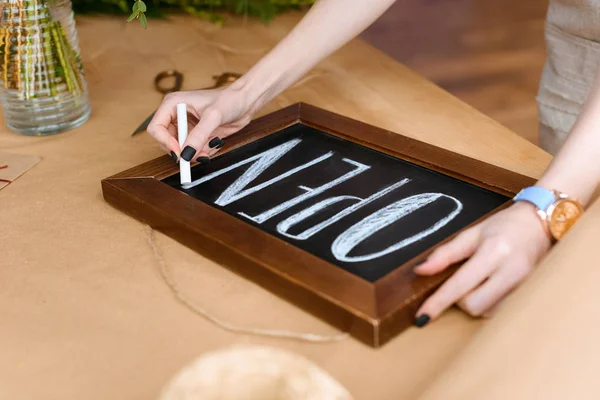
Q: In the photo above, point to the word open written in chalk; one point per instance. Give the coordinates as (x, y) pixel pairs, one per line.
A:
(343, 245)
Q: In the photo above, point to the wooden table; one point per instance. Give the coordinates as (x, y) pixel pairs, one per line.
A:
(84, 311)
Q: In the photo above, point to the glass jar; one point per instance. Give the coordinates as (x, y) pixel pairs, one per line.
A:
(42, 87)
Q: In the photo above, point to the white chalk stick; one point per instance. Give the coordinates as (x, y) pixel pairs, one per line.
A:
(182, 131)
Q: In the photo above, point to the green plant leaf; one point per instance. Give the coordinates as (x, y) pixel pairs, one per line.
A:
(136, 7)
(132, 17)
(143, 20)
(142, 6)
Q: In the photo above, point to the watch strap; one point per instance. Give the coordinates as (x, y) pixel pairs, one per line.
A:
(539, 197)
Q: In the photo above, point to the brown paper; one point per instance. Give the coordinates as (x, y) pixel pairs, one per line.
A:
(13, 166)
(84, 311)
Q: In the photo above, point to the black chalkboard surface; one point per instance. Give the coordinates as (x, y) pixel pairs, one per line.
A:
(361, 210)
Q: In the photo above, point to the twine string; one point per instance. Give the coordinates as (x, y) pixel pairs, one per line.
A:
(274, 333)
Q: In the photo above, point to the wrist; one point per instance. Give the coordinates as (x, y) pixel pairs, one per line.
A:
(557, 211)
(272, 74)
(256, 88)
(530, 213)
(574, 175)
(572, 186)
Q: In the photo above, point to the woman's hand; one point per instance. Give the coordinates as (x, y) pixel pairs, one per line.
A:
(504, 248)
(222, 112)
(501, 252)
(212, 116)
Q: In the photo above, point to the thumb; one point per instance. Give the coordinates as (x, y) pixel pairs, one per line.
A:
(210, 120)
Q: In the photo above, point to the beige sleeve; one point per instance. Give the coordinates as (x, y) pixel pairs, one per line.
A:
(568, 75)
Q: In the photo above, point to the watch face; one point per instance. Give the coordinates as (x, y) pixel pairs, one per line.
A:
(563, 216)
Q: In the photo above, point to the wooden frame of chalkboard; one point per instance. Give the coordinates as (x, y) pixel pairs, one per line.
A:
(371, 311)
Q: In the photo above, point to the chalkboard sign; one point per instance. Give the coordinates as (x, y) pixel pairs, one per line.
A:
(328, 213)
(363, 211)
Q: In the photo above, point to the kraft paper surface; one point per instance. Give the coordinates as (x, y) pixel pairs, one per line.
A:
(84, 311)
(13, 166)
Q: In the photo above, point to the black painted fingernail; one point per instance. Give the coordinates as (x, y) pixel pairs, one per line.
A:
(220, 145)
(214, 142)
(188, 153)
(174, 156)
(203, 160)
(422, 320)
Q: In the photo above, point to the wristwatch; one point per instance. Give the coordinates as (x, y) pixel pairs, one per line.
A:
(558, 211)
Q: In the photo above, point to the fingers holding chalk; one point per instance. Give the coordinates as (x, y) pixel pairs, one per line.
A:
(162, 129)
(209, 121)
(215, 140)
(170, 152)
(182, 135)
(188, 153)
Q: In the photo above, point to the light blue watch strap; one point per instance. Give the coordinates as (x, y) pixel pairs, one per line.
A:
(539, 197)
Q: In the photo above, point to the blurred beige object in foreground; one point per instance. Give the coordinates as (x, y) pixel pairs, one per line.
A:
(253, 373)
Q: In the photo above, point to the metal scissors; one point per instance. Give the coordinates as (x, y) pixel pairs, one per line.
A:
(220, 80)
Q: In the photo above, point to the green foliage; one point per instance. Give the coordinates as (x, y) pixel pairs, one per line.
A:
(138, 11)
(212, 10)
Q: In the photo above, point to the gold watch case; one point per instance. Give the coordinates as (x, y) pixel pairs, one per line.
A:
(561, 215)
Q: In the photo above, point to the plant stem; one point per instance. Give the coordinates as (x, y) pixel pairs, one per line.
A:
(36, 57)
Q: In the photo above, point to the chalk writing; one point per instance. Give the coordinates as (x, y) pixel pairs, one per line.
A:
(350, 238)
(262, 162)
(285, 225)
(368, 226)
(355, 207)
(259, 219)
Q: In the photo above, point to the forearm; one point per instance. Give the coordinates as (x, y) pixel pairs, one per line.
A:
(576, 168)
(327, 26)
